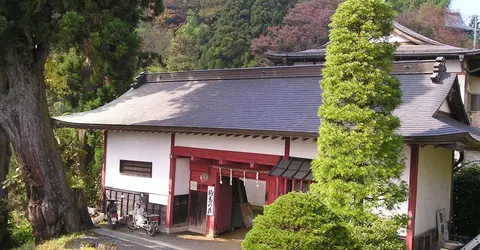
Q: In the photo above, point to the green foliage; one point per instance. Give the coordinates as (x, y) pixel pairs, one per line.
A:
(186, 48)
(404, 5)
(298, 221)
(229, 46)
(19, 228)
(359, 164)
(267, 13)
(380, 234)
(466, 215)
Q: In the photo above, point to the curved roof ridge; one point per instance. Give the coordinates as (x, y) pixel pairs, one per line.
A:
(415, 35)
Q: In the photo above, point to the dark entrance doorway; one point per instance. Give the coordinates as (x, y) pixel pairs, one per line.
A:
(234, 209)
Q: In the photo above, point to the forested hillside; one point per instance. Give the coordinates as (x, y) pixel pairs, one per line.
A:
(206, 34)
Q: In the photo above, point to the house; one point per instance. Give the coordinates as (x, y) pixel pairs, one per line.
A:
(199, 145)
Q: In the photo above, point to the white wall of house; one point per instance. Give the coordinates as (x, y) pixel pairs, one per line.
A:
(303, 149)
(182, 176)
(139, 146)
(444, 107)
(453, 65)
(434, 186)
(231, 143)
(474, 84)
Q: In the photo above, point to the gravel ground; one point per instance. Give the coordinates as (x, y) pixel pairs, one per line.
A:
(96, 239)
(126, 239)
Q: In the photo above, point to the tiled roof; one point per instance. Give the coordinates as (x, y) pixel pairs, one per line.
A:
(285, 104)
(455, 20)
(426, 40)
(427, 48)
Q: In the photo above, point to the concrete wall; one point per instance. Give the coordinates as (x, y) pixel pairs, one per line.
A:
(139, 146)
(434, 186)
(231, 143)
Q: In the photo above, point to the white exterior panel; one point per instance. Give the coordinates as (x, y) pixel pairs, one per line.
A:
(453, 65)
(182, 176)
(434, 186)
(303, 149)
(139, 146)
(231, 143)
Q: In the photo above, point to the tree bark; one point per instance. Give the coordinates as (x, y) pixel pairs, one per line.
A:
(89, 152)
(5, 155)
(24, 117)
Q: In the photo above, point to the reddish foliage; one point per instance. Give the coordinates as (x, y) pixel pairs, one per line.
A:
(304, 27)
(429, 20)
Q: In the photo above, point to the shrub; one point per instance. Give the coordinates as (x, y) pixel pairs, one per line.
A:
(298, 221)
(466, 190)
(380, 233)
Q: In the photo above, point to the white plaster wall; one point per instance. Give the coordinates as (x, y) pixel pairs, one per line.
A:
(139, 146)
(231, 143)
(182, 176)
(474, 84)
(434, 186)
(453, 65)
(255, 196)
(444, 107)
(303, 149)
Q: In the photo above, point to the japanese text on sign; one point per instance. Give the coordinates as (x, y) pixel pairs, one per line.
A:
(210, 199)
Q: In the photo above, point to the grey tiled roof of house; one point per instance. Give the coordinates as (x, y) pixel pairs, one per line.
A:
(455, 20)
(266, 105)
(429, 48)
(414, 34)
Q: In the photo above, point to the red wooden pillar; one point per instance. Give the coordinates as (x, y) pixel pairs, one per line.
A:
(104, 165)
(281, 184)
(171, 185)
(412, 195)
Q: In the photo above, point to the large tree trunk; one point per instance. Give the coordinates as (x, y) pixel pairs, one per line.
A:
(24, 117)
(89, 152)
(5, 155)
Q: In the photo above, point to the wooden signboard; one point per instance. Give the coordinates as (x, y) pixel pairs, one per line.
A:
(442, 224)
(210, 200)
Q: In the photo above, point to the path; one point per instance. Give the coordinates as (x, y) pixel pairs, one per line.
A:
(141, 241)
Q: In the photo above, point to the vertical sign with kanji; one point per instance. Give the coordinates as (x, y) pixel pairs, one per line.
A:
(210, 199)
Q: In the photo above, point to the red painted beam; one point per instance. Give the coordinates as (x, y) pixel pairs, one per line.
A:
(287, 148)
(412, 195)
(171, 184)
(104, 165)
(261, 159)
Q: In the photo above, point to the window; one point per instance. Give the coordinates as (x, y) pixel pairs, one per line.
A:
(475, 102)
(136, 168)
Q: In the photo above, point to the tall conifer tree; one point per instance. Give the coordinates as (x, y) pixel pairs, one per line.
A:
(359, 162)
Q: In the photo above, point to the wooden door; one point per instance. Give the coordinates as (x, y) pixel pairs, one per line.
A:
(224, 213)
(198, 211)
